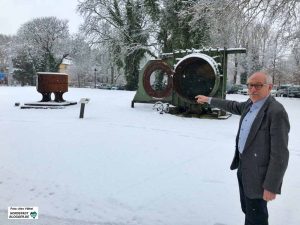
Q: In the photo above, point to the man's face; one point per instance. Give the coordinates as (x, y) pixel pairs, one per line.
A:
(257, 87)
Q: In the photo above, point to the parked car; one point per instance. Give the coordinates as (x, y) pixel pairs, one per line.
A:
(244, 90)
(293, 92)
(297, 94)
(234, 89)
(282, 91)
(104, 86)
(274, 91)
(114, 88)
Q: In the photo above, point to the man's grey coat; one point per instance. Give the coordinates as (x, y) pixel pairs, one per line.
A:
(265, 156)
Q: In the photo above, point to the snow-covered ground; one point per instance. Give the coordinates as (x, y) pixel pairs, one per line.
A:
(121, 165)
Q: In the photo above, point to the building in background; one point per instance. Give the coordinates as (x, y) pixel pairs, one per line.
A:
(64, 66)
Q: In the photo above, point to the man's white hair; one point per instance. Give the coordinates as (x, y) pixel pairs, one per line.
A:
(269, 79)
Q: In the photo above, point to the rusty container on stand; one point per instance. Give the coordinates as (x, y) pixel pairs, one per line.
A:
(48, 83)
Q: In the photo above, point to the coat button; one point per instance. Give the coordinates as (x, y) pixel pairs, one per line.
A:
(255, 155)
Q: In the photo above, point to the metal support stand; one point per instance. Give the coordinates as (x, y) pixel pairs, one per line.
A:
(82, 110)
(83, 101)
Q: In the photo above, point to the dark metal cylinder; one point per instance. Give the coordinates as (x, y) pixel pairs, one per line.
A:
(196, 74)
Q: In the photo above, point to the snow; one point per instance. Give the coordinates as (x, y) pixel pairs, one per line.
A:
(121, 165)
(51, 73)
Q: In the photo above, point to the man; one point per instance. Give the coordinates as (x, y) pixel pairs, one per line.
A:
(261, 153)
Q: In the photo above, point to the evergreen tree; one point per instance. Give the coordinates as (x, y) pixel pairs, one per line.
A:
(25, 72)
(175, 29)
(135, 37)
(159, 84)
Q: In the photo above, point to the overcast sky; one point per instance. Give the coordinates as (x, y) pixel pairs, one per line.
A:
(14, 13)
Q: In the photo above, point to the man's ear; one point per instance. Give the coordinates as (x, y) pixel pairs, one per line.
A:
(270, 86)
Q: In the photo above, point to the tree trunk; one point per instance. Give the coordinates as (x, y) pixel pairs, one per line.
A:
(235, 69)
(112, 74)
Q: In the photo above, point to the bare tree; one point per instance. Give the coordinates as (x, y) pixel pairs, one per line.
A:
(296, 59)
(262, 26)
(5, 50)
(44, 41)
(282, 11)
(83, 65)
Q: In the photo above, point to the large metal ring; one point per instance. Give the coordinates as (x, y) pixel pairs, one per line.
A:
(196, 74)
(152, 67)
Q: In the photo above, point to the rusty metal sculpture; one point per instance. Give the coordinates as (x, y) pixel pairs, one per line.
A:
(49, 83)
(189, 73)
(158, 67)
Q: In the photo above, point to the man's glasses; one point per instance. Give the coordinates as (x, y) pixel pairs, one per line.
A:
(256, 86)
